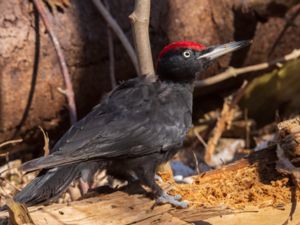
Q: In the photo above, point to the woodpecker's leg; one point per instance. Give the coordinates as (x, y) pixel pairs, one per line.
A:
(84, 186)
(146, 177)
(87, 176)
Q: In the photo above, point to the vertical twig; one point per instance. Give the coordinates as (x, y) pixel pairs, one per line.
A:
(196, 162)
(140, 26)
(119, 33)
(62, 62)
(111, 52)
(223, 122)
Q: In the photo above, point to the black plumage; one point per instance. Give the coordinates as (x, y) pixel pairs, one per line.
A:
(136, 127)
(138, 118)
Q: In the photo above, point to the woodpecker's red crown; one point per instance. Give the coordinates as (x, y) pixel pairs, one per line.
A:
(181, 44)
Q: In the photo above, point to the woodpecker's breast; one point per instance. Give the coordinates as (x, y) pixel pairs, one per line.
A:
(176, 111)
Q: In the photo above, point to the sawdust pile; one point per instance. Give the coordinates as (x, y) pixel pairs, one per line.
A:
(238, 189)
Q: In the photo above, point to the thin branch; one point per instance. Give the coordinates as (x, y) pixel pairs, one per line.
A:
(234, 72)
(200, 139)
(196, 162)
(62, 62)
(10, 142)
(118, 31)
(111, 52)
(239, 94)
(140, 18)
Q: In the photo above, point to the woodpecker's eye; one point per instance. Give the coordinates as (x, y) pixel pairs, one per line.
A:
(187, 54)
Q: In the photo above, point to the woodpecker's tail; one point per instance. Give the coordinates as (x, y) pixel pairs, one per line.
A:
(48, 185)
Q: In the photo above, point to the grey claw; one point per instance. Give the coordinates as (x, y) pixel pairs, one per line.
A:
(177, 197)
(173, 200)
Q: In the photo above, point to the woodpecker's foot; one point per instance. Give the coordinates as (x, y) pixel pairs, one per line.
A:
(84, 186)
(173, 200)
(158, 178)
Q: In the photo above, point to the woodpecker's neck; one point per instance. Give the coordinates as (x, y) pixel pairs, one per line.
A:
(187, 85)
(183, 91)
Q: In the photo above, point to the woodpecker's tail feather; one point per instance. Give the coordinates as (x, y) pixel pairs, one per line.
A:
(47, 162)
(48, 185)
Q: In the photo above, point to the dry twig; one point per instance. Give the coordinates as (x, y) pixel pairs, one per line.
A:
(200, 139)
(196, 162)
(10, 142)
(140, 24)
(46, 142)
(234, 72)
(223, 123)
(118, 31)
(62, 62)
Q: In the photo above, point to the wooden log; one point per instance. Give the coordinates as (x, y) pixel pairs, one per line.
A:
(123, 208)
(130, 206)
(116, 208)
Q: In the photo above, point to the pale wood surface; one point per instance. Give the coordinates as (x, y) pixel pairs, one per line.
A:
(264, 216)
(116, 208)
(122, 208)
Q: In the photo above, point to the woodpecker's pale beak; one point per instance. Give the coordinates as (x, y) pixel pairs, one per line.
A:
(214, 52)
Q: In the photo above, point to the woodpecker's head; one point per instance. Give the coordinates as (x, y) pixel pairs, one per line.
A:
(182, 61)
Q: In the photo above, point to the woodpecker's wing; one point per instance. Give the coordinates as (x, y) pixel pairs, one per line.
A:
(136, 119)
